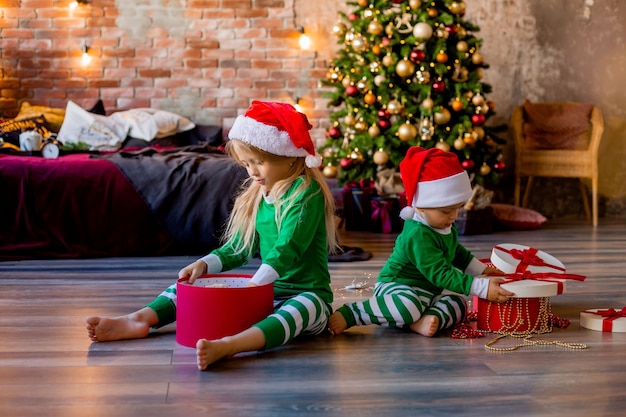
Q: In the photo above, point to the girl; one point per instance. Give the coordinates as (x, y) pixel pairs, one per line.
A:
(427, 257)
(286, 215)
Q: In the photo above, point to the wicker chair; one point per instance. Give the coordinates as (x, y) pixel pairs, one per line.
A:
(577, 161)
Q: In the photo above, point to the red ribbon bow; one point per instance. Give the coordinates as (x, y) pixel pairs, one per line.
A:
(608, 316)
(528, 257)
(380, 210)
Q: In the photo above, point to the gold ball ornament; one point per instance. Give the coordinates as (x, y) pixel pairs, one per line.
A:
(388, 60)
(432, 12)
(405, 68)
(459, 144)
(360, 126)
(349, 119)
(363, 3)
(359, 43)
(394, 107)
(374, 130)
(407, 132)
(457, 7)
(461, 32)
(330, 171)
(479, 73)
(339, 29)
(370, 98)
(422, 31)
(477, 58)
(444, 146)
(479, 132)
(380, 157)
(361, 85)
(422, 76)
(357, 156)
(375, 28)
(379, 80)
(428, 103)
(346, 81)
(485, 169)
(462, 46)
(469, 139)
(457, 104)
(442, 116)
(415, 4)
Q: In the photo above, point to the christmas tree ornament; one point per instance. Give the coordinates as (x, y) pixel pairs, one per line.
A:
(417, 55)
(379, 80)
(479, 132)
(330, 171)
(363, 3)
(457, 7)
(467, 164)
(370, 98)
(383, 113)
(381, 157)
(394, 107)
(444, 146)
(461, 32)
(359, 43)
(346, 81)
(432, 12)
(457, 104)
(459, 144)
(442, 33)
(349, 119)
(428, 103)
(478, 119)
(442, 116)
(479, 73)
(484, 169)
(334, 132)
(373, 131)
(384, 124)
(451, 29)
(478, 100)
(376, 49)
(368, 13)
(362, 86)
(439, 86)
(422, 76)
(388, 60)
(405, 68)
(415, 4)
(477, 58)
(360, 126)
(407, 132)
(356, 156)
(346, 163)
(423, 31)
(441, 57)
(352, 91)
(339, 29)
(499, 166)
(469, 139)
(462, 46)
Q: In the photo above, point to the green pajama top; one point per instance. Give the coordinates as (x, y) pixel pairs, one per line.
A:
(298, 252)
(427, 259)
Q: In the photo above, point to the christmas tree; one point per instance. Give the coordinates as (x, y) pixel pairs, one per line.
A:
(409, 73)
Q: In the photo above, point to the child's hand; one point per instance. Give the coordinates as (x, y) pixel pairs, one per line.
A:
(193, 270)
(496, 293)
(492, 270)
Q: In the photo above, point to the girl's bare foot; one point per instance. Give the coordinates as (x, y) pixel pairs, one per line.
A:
(209, 351)
(131, 326)
(427, 325)
(337, 323)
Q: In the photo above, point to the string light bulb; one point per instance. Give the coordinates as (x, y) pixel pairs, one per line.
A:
(76, 3)
(304, 40)
(85, 58)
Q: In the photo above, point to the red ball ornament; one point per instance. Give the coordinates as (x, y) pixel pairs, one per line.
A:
(499, 166)
(417, 55)
(352, 17)
(467, 164)
(334, 132)
(439, 86)
(352, 91)
(346, 163)
(478, 119)
(384, 124)
(383, 114)
(451, 29)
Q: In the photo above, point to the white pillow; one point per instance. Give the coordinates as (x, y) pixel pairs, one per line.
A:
(99, 132)
(148, 124)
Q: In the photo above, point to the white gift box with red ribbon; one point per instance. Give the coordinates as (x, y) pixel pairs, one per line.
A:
(607, 320)
(529, 272)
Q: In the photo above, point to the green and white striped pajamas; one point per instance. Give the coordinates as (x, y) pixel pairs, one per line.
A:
(399, 305)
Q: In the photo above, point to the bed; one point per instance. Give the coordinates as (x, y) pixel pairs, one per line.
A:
(163, 197)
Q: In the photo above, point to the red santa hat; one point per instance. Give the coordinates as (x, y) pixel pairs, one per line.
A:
(277, 128)
(432, 178)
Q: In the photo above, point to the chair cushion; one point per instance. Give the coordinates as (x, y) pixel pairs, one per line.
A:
(557, 125)
(516, 218)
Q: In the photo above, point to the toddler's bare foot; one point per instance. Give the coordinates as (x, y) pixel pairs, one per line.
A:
(337, 323)
(427, 325)
(210, 351)
(105, 329)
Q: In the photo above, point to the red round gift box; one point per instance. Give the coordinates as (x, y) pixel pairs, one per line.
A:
(516, 316)
(211, 312)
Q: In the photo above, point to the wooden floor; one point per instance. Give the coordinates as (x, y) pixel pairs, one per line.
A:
(48, 366)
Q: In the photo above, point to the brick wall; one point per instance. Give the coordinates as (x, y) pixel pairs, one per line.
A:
(204, 59)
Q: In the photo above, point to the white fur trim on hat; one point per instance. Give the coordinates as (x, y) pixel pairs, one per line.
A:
(443, 192)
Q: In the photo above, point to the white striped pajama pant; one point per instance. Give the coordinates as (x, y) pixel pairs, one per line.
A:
(399, 305)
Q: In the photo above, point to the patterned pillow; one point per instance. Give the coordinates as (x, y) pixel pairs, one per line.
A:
(10, 129)
(54, 117)
(557, 125)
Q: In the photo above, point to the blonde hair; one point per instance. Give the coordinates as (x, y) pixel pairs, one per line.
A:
(240, 229)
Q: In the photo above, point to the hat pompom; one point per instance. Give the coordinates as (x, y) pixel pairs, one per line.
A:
(407, 212)
(313, 161)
